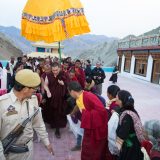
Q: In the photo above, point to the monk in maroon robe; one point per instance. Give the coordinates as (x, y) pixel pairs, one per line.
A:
(56, 89)
(94, 121)
(80, 74)
(65, 67)
(40, 67)
(72, 76)
(44, 104)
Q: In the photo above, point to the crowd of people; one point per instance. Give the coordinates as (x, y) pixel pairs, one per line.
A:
(70, 91)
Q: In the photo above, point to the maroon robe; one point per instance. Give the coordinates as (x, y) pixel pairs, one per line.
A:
(57, 103)
(94, 121)
(45, 106)
(41, 70)
(80, 74)
(112, 106)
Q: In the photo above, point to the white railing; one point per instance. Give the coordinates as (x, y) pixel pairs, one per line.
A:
(144, 41)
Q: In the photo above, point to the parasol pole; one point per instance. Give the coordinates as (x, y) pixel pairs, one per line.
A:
(59, 51)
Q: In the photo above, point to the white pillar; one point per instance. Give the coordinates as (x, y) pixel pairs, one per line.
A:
(149, 68)
(122, 64)
(118, 60)
(132, 65)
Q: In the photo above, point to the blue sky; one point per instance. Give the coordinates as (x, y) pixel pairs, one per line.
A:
(116, 18)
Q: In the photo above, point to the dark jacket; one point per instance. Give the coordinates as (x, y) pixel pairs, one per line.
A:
(88, 71)
(98, 75)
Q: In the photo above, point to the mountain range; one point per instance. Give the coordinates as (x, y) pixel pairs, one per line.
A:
(7, 49)
(14, 36)
(79, 44)
(75, 47)
(89, 46)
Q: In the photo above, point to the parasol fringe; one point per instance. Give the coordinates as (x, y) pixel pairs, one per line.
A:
(54, 32)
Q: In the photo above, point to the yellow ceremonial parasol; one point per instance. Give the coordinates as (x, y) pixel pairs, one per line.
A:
(53, 20)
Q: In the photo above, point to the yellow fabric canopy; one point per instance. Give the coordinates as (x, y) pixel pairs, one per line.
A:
(53, 20)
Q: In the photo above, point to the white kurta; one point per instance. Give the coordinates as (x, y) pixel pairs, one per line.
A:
(3, 77)
(112, 127)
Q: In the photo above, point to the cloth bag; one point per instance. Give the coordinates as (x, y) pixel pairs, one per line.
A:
(75, 127)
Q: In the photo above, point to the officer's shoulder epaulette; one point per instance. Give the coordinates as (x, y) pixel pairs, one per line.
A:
(3, 97)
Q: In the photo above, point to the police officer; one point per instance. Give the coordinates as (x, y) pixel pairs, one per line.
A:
(15, 107)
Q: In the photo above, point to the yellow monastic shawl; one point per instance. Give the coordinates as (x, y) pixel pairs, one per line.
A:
(80, 103)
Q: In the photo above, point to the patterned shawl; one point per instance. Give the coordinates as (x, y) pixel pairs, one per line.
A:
(137, 124)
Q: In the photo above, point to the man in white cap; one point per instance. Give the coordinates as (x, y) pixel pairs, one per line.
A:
(15, 107)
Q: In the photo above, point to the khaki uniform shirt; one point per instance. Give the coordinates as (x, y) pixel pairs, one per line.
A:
(13, 112)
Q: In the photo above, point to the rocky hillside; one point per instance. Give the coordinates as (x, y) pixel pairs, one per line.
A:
(105, 52)
(7, 49)
(93, 47)
(153, 31)
(79, 44)
(14, 36)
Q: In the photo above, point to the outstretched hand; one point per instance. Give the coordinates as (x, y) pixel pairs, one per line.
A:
(50, 149)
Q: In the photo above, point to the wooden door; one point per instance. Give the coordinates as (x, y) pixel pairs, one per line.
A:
(119, 64)
(156, 72)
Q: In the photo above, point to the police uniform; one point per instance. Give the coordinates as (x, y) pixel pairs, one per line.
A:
(13, 112)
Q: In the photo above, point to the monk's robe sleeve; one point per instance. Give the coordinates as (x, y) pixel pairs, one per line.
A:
(94, 116)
